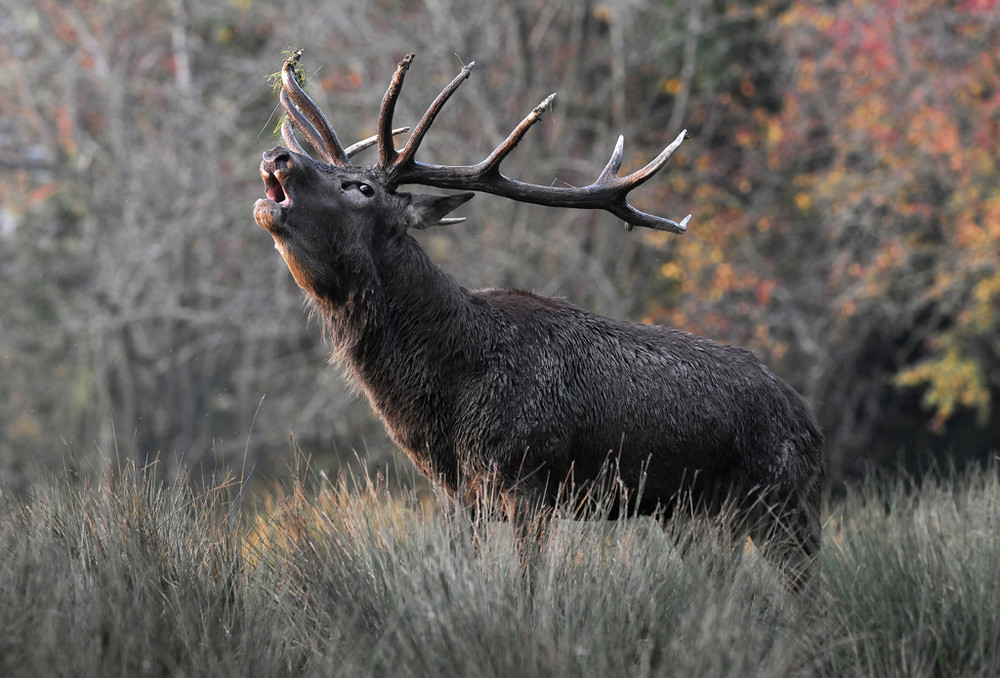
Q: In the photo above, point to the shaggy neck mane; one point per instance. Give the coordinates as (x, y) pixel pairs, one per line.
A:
(400, 327)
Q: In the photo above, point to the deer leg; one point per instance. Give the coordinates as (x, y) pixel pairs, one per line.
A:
(530, 517)
(786, 531)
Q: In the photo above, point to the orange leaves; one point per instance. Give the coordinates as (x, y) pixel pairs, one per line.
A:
(66, 131)
(935, 131)
(42, 193)
(672, 86)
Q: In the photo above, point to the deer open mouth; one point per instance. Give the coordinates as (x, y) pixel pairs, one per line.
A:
(270, 212)
(275, 191)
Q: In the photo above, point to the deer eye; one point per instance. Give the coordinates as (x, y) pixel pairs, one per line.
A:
(359, 186)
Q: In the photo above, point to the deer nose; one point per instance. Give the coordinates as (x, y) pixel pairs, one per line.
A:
(277, 156)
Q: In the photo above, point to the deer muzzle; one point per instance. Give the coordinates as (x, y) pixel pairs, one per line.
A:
(270, 212)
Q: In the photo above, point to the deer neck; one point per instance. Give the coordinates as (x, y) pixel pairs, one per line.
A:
(401, 338)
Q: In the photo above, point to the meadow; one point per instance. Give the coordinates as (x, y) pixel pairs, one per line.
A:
(130, 575)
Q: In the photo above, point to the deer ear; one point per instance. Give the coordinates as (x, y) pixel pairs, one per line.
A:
(428, 210)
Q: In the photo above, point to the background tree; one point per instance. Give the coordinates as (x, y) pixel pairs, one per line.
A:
(841, 174)
(888, 139)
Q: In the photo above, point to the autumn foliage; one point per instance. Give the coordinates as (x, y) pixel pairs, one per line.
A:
(850, 227)
(903, 149)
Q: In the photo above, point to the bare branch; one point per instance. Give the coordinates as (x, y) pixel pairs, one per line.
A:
(359, 146)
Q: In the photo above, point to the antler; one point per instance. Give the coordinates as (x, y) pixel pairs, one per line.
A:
(311, 122)
(608, 192)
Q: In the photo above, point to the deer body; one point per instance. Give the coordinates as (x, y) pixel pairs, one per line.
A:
(530, 388)
(510, 392)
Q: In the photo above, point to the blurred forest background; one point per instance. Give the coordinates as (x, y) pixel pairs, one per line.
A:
(842, 174)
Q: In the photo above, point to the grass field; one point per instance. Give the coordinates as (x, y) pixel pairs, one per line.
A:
(133, 577)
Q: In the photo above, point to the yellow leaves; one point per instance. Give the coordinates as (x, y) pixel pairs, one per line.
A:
(723, 281)
(891, 154)
(868, 113)
(745, 137)
(655, 239)
(603, 14)
(951, 381)
(773, 133)
(983, 312)
(672, 271)
(672, 86)
(806, 14)
(889, 257)
(934, 131)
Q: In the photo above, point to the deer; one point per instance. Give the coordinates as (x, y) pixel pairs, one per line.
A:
(513, 393)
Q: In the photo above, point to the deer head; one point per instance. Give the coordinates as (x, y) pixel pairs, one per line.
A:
(325, 219)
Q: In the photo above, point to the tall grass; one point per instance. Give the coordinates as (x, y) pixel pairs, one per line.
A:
(135, 577)
(912, 578)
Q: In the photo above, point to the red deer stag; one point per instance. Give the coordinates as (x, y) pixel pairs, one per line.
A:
(514, 392)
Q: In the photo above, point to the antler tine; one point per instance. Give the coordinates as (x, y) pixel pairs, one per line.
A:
(494, 159)
(609, 177)
(288, 136)
(305, 127)
(386, 149)
(308, 117)
(359, 146)
(405, 156)
(610, 170)
(639, 177)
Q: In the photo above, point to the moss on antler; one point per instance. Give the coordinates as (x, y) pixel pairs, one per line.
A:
(292, 55)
